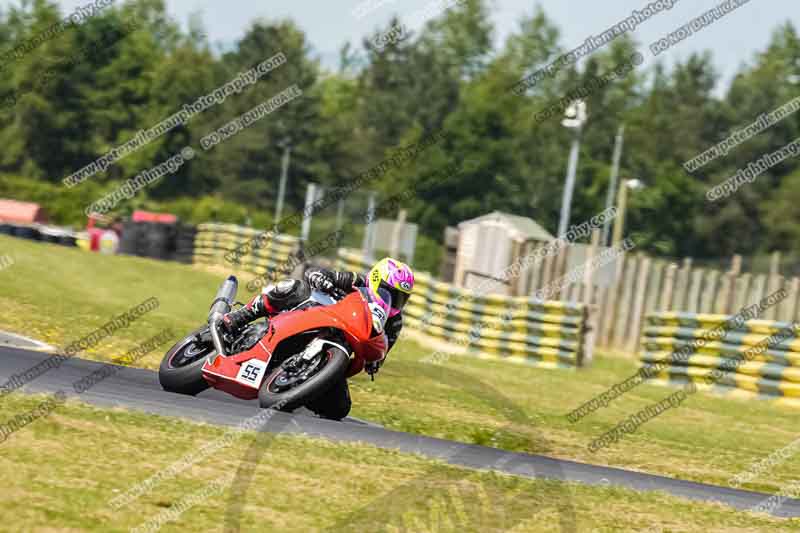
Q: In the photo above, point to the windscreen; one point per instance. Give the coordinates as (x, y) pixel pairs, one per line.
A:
(383, 293)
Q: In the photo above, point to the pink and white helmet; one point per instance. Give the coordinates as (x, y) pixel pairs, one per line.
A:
(394, 277)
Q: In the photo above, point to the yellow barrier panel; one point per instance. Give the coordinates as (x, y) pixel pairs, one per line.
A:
(214, 242)
(760, 357)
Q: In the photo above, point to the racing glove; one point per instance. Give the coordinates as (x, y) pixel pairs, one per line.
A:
(372, 368)
(334, 283)
(320, 280)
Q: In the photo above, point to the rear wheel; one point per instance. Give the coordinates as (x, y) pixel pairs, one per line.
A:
(181, 370)
(300, 380)
(335, 403)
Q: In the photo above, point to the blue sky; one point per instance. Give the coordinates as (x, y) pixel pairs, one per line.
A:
(330, 23)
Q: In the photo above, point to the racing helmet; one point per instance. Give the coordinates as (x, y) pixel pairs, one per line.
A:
(394, 278)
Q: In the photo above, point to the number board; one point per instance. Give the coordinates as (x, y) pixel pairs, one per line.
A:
(251, 372)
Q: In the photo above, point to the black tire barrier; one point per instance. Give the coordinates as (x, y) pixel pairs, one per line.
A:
(168, 242)
(49, 237)
(68, 240)
(159, 241)
(185, 258)
(46, 234)
(27, 232)
(128, 244)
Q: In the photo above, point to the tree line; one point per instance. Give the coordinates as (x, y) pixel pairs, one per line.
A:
(93, 86)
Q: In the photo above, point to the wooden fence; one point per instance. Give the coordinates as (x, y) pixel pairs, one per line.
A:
(641, 285)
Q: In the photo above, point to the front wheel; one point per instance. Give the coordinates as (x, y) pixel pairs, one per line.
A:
(300, 379)
(181, 370)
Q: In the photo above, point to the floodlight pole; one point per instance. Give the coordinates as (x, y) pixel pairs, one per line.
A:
(622, 208)
(575, 118)
(287, 153)
(569, 186)
(619, 221)
(612, 186)
(308, 211)
(369, 229)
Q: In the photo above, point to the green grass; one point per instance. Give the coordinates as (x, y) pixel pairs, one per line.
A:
(59, 295)
(60, 473)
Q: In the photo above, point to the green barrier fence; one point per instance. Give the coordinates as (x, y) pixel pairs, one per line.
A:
(759, 357)
(449, 319)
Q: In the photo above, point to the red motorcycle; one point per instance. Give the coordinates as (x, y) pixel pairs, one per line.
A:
(288, 360)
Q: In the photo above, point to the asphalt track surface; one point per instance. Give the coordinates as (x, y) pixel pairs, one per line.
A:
(138, 389)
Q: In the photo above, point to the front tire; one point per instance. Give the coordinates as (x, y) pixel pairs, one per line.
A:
(181, 370)
(277, 391)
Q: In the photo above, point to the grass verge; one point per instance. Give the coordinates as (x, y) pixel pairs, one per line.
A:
(61, 471)
(58, 295)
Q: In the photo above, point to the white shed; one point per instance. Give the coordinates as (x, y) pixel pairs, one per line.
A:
(487, 245)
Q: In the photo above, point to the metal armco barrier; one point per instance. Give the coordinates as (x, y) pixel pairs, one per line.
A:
(540, 333)
(772, 371)
(213, 241)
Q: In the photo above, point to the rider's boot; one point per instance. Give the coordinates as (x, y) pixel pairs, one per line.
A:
(236, 320)
(273, 299)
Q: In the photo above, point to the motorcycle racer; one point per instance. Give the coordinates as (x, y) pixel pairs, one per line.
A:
(388, 275)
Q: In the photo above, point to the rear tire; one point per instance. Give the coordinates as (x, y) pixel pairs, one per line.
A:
(335, 403)
(333, 370)
(181, 370)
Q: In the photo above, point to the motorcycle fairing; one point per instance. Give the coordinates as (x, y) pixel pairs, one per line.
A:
(242, 374)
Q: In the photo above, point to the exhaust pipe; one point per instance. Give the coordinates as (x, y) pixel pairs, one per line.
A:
(221, 305)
